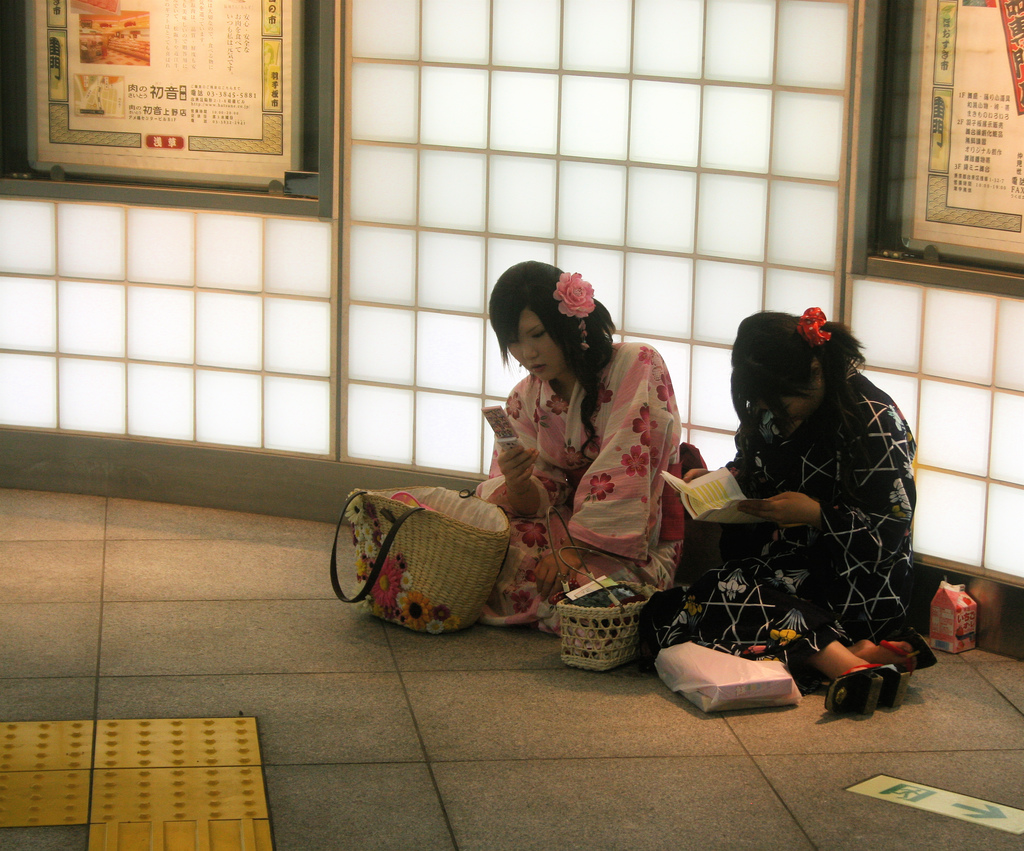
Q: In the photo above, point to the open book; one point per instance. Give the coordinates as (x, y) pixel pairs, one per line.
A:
(712, 497)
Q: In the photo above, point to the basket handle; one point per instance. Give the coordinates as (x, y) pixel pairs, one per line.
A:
(564, 576)
(378, 563)
(572, 545)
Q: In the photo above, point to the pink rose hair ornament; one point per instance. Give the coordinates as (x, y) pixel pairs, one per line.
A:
(576, 299)
(809, 325)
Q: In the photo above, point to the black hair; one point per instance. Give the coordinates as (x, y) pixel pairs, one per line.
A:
(771, 360)
(530, 285)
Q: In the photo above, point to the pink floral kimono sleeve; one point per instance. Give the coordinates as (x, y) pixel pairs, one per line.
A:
(617, 506)
(532, 410)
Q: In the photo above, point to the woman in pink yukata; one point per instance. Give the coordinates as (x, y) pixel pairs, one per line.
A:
(597, 423)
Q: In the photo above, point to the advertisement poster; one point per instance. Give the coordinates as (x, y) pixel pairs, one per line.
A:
(969, 170)
(169, 88)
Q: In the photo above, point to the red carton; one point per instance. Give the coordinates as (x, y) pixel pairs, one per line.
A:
(954, 619)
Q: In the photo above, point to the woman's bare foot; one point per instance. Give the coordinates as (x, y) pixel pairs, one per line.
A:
(878, 655)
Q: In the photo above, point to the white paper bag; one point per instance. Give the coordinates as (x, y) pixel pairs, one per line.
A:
(713, 680)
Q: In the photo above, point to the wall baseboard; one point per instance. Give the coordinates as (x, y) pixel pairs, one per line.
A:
(282, 486)
(1000, 608)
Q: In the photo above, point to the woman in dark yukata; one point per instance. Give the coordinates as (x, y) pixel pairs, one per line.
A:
(823, 582)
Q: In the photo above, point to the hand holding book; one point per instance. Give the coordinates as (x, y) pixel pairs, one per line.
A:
(712, 496)
(717, 497)
(790, 508)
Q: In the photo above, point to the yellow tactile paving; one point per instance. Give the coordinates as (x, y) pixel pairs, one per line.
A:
(175, 794)
(39, 798)
(157, 784)
(227, 835)
(172, 742)
(45, 745)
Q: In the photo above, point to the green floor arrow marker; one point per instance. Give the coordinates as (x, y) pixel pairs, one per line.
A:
(943, 802)
(990, 811)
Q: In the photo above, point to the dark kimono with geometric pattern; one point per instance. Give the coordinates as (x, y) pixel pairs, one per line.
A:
(786, 593)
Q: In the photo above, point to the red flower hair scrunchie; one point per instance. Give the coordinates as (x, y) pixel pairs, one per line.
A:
(809, 325)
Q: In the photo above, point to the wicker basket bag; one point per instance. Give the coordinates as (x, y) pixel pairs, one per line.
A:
(597, 638)
(426, 560)
(600, 639)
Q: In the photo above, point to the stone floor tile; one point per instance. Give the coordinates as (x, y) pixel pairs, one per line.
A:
(214, 570)
(54, 838)
(239, 637)
(129, 519)
(978, 657)
(939, 701)
(42, 516)
(302, 718)
(49, 639)
(47, 699)
(1008, 679)
(524, 714)
(382, 807)
(813, 787)
(477, 648)
(378, 737)
(51, 571)
(680, 803)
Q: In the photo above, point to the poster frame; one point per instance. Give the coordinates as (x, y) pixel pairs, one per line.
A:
(306, 191)
(885, 109)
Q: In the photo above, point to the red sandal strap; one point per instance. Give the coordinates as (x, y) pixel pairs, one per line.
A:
(895, 648)
(865, 666)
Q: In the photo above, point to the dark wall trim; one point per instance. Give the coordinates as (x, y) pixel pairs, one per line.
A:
(929, 274)
(81, 191)
(283, 486)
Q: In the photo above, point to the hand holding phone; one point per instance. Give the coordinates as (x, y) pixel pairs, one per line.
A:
(504, 435)
(515, 462)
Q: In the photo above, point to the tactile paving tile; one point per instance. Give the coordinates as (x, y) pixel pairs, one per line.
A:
(38, 798)
(45, 745)
(225, 835)
(158, 784)
(177, 794)
(173, 742)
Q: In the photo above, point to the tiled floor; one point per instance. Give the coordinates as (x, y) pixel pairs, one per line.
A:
(376, 737)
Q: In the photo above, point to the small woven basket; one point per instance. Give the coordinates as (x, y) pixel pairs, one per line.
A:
(600, 639)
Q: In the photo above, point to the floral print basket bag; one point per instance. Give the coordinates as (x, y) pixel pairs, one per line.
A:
(425, 558)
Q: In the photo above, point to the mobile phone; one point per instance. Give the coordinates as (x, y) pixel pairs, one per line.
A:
(600, 595)
(504, 434)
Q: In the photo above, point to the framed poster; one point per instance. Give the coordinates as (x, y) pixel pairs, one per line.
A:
(177, 90)
(966, 163)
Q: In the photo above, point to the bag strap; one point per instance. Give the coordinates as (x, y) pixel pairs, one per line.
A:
(580, 551)
(378, 563)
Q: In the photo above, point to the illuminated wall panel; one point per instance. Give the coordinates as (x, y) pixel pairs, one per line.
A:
(651, 145)
(164, 325)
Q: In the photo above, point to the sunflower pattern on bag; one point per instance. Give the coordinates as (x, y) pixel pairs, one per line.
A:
(392, 597)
